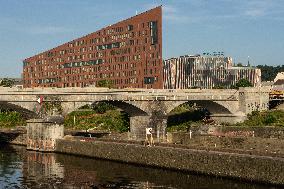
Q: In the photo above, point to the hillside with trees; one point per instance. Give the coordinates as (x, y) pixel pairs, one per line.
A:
(268, 73)
(7, 82)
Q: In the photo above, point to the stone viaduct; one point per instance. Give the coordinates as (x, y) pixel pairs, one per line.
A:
(146, 107)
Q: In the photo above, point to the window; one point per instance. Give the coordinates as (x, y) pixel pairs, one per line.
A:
(154, 32)
(25, 63)
(149, 80)
(130, 27)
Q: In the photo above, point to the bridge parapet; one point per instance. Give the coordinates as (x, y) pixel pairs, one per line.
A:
(67, 94)
(146, 107)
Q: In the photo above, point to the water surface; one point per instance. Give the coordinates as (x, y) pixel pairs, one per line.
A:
(27, 169)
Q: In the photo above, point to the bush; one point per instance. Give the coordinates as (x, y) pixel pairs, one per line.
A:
(180, 127)
(267, 118)
(242, 83)
(270, 119)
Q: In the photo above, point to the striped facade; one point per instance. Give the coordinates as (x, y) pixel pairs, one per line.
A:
(206, 72)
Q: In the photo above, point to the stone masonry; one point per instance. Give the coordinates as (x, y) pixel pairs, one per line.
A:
(146, 107)
(42, 135)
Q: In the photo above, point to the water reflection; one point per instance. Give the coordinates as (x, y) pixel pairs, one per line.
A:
(10, 167)
(27, 169)
(42, 169)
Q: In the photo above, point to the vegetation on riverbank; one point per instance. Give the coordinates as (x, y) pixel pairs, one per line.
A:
(10, 119)
(266, 118)
(183, 117)
(186, 116)
(103, 116)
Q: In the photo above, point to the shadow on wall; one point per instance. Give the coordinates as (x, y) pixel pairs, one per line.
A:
(128, 108)
(211, 106)
(6, 137)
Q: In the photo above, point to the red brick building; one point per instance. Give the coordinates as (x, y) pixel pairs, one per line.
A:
(128, 54)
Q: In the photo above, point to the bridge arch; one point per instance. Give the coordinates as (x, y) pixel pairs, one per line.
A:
(214, 107)
(130, 107)
(219, 111)
(134, 113)
(277, 106)
(25, 112)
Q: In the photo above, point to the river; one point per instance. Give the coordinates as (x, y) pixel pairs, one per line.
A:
(20, 168)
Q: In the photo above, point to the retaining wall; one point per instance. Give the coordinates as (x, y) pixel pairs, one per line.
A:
(257, 131)
(21, 139)
(241, 166)
(241, 131)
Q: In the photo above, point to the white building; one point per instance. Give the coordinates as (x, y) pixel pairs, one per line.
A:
(279, 76)
(206, 72)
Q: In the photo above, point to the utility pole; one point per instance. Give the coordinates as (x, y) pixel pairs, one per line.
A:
(248, 62)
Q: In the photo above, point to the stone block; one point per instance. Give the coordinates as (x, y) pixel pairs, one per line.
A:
(42, 135)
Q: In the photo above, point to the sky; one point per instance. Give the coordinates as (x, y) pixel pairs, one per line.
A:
(240, 28)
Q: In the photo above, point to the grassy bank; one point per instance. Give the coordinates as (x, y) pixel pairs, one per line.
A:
(101, 117)
(11, 119)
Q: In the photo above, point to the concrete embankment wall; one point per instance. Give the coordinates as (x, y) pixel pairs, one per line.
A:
(21, 139)
(255, 145)
(13, 137)
(239, 166)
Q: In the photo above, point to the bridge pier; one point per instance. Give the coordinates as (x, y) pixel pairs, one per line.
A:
(42, 134)
(138, 125)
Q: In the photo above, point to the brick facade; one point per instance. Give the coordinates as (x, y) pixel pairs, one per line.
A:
(128, 54)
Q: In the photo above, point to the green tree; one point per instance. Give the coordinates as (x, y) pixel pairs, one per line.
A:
(268, 73)
(239, 64)
(105, 83)
(7, 82)
(242, 83)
